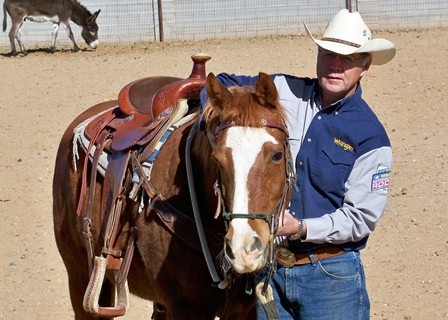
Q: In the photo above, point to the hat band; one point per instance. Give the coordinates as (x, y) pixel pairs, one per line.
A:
(352, 44)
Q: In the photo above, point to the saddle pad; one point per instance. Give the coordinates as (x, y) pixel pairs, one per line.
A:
(80, 139)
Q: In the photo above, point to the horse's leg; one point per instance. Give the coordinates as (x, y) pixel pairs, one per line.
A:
(78, 280)
(77, 283)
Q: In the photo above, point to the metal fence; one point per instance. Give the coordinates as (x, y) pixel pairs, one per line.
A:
(178, 20)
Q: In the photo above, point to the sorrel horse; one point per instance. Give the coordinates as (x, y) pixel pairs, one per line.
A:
(232, 159)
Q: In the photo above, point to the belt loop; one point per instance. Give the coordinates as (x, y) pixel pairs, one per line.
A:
(312, 257)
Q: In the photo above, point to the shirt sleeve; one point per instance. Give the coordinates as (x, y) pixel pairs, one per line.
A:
(363, 205)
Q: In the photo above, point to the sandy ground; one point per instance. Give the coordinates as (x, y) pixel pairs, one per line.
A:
(406, 259)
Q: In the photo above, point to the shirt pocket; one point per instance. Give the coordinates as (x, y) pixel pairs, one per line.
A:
(331, 169)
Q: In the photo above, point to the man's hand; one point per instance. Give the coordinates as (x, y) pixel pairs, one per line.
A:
(288, 225)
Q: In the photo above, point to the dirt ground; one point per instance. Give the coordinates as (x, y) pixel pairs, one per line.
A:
(406, 259)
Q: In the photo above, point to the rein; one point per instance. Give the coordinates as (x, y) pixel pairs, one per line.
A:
(197, 215)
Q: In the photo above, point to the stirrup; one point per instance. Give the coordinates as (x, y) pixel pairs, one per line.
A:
(93, 291)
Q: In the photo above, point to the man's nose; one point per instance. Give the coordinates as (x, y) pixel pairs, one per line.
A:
(335, 62)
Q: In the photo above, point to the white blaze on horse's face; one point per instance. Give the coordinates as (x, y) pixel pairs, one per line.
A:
(245, 144)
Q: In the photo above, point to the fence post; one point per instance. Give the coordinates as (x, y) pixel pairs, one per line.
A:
(159, 10)
(348, 5)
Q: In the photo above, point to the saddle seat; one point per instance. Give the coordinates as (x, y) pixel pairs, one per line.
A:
(136, 97)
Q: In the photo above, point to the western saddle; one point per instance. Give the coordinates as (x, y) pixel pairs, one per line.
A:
(128, 134)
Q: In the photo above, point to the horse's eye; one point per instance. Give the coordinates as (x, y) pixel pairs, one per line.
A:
(276, 157)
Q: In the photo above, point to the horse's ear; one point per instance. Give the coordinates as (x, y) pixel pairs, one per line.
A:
(266, 91)
(218, 94)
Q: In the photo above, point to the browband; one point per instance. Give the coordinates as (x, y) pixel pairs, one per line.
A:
(264, 122)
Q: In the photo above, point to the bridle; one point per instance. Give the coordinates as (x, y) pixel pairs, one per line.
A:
(277, 211)
(279, 207)
(271, 218)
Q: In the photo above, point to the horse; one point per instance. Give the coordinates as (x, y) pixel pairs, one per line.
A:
(55, 12)
(226, 166)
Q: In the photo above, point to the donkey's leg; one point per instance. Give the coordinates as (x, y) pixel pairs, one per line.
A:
(14, 34)
(70, 35)
(21, 45)
(54, 35)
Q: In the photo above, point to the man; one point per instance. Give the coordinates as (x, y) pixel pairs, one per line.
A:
(343, 160)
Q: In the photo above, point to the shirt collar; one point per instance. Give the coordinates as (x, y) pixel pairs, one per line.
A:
(342, 103)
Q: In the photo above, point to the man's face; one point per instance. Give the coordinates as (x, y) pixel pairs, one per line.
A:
(338, 74)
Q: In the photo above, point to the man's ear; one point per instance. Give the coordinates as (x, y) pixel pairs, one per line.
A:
(366, 66)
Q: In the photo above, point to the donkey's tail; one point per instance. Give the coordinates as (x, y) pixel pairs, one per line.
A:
(4, 17)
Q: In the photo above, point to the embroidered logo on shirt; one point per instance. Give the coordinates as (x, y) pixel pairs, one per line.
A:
(343, 144)
(381, 179)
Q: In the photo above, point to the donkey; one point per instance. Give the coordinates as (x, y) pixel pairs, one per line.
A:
(55, 11)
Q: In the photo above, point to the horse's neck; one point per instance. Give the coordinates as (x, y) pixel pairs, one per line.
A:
(201, 151)
(205, 175)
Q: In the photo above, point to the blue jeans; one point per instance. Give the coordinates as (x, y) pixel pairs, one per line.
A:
(332, 288)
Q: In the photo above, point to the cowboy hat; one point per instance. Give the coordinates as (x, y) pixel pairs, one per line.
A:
(347, 33)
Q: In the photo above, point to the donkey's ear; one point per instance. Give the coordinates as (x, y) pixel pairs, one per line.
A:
(266, 91)
(218, 94)
(93, 17)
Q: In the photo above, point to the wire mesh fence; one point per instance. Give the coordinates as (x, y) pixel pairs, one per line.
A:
(179, 20)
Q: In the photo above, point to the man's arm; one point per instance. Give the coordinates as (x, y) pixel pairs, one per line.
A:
(364, 202)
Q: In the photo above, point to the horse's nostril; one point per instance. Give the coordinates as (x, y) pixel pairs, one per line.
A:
(228, 250)
(256, 245)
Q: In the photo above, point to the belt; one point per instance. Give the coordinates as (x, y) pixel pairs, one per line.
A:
(286, 258)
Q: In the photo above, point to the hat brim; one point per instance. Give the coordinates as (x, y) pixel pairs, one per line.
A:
(381, 50)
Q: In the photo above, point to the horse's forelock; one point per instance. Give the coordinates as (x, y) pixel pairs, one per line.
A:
(244, 108)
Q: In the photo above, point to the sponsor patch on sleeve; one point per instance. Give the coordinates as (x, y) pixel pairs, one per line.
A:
(381, 179)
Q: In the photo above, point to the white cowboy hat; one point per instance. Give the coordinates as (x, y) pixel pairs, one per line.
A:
(347, 33)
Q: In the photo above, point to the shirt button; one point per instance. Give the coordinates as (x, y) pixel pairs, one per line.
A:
(336, 113)
(309, 140)
(319, 117)
(300, 163)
